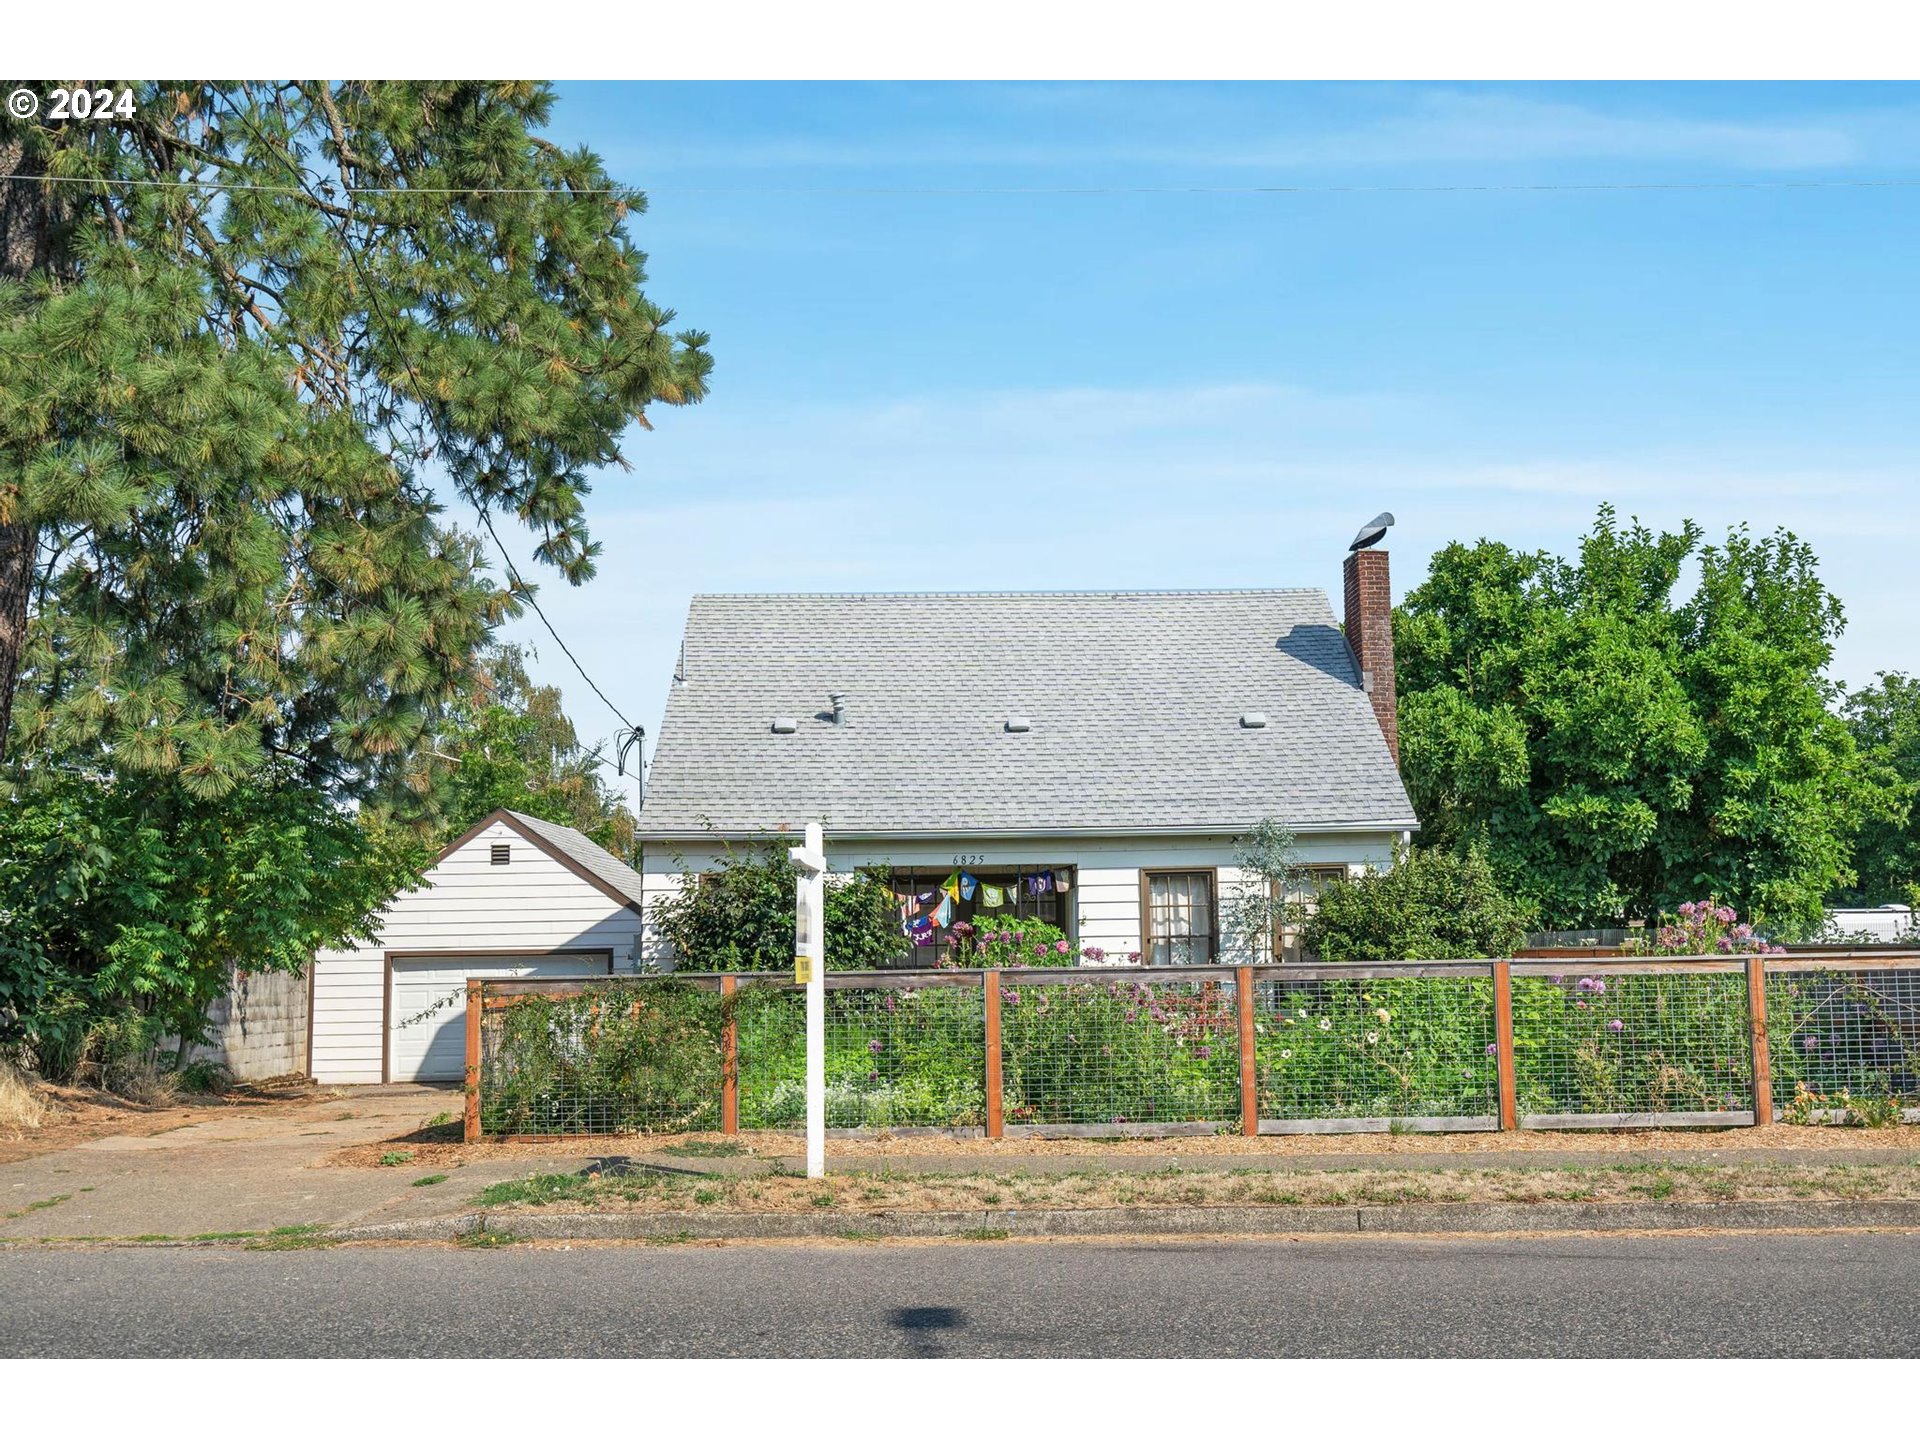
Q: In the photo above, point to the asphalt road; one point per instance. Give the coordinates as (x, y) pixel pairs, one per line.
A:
(1852, 1294)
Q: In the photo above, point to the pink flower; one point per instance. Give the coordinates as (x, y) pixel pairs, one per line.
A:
(1724, 915)
(1687, 908)
(1039, 949)
(1060, 947)
(1616, 1026)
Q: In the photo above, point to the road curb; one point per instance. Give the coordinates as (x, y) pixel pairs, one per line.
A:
(1225, 1220)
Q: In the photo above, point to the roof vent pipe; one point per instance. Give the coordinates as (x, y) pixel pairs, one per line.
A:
(838, 697)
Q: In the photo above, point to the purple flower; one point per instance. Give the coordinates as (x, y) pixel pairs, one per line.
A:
(1687, 908)
(1201, 1052)
(1093, 953)
(1724, 915)
(1040, 950)
(873, 1074)
(1616, 1026)
(1491, 1049)
(1809, 1042)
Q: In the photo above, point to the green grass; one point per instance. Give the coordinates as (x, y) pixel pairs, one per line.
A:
(534, 1190)
(294, 1237)
(225, 1235)
(984, 1232)
(706, 1149)
(396, 1157)
(486, 1239)
(428, 1180)
(46, 1204)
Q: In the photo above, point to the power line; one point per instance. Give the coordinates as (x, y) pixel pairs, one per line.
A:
(375, 303)
(641, 192)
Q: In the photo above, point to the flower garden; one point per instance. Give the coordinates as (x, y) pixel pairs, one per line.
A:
(1132, 1047)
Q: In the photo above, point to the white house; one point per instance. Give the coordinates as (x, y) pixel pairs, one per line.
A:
(1095, 754)
(512, 897)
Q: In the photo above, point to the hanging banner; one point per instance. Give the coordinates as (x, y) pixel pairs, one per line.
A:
(951, 886)
(992, 897)
(967, 885)
(1060, 880)
(944, 913)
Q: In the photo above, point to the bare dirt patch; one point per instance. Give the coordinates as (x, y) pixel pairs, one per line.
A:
(72, 1115)
(638, 1188)
(440, 1146)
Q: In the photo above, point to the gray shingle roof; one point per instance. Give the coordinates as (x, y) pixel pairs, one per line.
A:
(1134, 698)
(590, 856)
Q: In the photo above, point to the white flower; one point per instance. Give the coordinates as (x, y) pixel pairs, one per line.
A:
(1303, 1012)
(1286, 1054)
(1325, 1024)
(1372, 1035)
(1385, 1015)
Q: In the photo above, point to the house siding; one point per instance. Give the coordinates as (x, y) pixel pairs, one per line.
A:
(467, 903)
(1107, 893)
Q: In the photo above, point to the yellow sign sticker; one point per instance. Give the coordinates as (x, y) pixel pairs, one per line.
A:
(803, 969)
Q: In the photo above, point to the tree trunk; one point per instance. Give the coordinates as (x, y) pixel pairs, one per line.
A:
(26, 245)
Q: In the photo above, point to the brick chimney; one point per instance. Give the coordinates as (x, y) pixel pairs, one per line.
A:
(1370, 634)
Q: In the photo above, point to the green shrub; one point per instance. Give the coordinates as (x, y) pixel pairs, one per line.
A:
(1432, 905)
(625, 1055)
(739, 916)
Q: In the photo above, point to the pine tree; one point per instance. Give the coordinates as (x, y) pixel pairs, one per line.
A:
(225, 401)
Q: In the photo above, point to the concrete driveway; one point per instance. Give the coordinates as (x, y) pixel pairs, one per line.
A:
(251, 1169)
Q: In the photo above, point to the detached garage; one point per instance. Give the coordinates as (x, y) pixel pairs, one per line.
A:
(513, 897)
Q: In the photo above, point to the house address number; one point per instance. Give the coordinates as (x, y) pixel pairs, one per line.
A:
(969, 859)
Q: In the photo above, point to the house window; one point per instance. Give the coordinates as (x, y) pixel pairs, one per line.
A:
(1179, 916)
(502, 854)
(1024, 892)
(1304, 893)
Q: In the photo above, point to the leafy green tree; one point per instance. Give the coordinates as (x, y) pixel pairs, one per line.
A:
(1431, 905)
(226, 399)
(134, 896)
(508, 744)
(1617, 750)
(739, 915)
(1885, 721)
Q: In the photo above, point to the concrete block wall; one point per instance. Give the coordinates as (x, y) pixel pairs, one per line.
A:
(259, 1030)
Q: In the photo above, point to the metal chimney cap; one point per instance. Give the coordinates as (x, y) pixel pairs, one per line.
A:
(1373, 531)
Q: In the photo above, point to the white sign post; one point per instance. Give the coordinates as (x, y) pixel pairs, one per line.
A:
(809, 863)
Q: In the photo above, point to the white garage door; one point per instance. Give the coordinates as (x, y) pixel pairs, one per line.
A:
(429, 1015)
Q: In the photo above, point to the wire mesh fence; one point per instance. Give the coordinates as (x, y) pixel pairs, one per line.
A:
(619, 1055)
(1324, 1047)
(899, 1056)
(1844, 1039)
(1333, 1052)
(1160, 1049)
(1619, 1042)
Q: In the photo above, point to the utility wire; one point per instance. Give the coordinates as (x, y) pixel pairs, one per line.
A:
(641, 192)
(375, 303)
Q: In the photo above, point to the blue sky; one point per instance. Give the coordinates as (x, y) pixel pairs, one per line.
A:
(924, 385)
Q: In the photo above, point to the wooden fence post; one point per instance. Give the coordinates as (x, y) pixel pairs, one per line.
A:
(1503, 1043)
(472, 1131)
(729, 1061)
(996, 1126)
(1757, 1022)
(1249, 1071)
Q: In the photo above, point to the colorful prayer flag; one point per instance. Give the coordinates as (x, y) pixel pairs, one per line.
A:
(951, 886)
(967, 885)
(944, 913)
(992, 897)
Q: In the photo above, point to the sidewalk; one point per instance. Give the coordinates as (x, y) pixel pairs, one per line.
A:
(317, 1164)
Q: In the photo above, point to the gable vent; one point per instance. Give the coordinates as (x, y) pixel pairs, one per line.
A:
(785, 725)
(1253, 720)
(503, 854)
(1018, 725)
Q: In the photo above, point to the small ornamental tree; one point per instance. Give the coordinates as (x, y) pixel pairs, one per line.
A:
(1269, 882)
(1432, 905)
